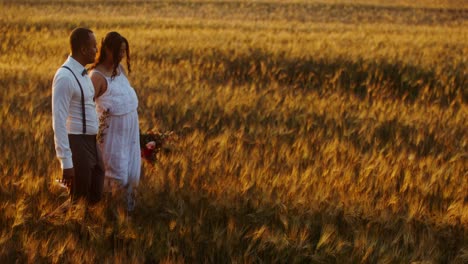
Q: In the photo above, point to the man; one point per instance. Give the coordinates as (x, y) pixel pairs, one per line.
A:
(75, 122)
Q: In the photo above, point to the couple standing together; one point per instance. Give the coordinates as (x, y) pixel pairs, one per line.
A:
(78, 100)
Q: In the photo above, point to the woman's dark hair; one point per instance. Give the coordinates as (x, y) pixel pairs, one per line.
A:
(113, 41)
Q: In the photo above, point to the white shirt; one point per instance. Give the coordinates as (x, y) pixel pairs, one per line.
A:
(67, 116)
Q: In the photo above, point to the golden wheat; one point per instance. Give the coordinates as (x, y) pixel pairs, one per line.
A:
(308, 131)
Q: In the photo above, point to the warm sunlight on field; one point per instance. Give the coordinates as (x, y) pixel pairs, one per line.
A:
(308, 132)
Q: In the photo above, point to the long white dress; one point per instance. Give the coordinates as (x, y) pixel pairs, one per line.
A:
(121, 141)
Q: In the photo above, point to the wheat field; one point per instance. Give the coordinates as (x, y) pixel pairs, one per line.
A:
(307, 132)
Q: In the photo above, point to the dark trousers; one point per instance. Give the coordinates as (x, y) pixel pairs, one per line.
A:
(89, 168)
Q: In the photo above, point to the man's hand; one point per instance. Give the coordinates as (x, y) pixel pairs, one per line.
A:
(68, 176)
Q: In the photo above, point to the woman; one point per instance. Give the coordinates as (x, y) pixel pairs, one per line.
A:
(116, 104)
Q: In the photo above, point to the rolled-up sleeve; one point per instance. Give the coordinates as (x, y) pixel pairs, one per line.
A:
(62, 92)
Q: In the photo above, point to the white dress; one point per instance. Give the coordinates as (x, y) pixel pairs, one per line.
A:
(121, 141)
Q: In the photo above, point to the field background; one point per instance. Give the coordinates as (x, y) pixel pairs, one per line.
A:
(308, 132)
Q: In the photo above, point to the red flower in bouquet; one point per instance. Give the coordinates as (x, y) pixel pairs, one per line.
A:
(147, 153)
(151, 143)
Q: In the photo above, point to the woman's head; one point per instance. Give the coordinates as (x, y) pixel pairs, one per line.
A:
(114, 47)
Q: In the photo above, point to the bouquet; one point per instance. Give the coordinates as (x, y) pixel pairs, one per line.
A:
(151, 144)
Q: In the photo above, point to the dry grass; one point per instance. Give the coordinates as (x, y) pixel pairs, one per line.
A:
(309, 131)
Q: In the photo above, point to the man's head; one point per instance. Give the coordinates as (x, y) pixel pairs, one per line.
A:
(83, 45)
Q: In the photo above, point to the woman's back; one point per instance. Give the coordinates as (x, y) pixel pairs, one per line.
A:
(119, 98)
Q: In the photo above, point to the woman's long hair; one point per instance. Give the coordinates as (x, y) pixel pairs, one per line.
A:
(113, 41)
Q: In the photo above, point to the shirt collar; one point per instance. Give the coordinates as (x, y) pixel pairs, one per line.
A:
(75, 65)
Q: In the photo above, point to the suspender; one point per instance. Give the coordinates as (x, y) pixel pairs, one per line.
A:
(82, 100)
